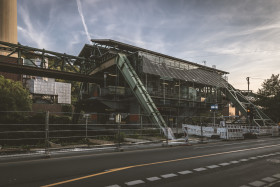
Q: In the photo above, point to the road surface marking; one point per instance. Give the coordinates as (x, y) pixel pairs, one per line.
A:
(244, 160)
(277, 175)
(220, 145)
(153, 178)
(169, 175)
(203, 147)
(257, 183)
(234, 162)
(244, 186)
(269, 179)
(115, 185)
(213, 166)
(253, 158)
(272, 154)
(200, 169)
(155, 163)
(224, 164)
(131, 183)
(185, 172)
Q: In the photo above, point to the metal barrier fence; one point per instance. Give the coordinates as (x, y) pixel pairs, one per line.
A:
(30, 131)
(261, 131)
(229, 132)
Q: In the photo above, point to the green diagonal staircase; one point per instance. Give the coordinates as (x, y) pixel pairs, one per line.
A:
(141, 93)
(241, 103)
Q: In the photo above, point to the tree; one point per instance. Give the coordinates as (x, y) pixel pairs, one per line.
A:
(13, 97)
(269, 97)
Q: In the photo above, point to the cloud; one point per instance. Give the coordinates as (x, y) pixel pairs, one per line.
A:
(241, 37)
(83, 19)
(31, 32)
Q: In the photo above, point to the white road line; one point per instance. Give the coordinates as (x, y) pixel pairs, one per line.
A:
(269, 179)
(216, 146)
(153, 178)
(253, 158)
(200, 169)
(222, 145)
(169, 175)
(213, 166)
(272, 154)
(115, 185)
(243, 160)
(260, 156)
(185, 172)
(131, 183)
(234, 162)
(277, 175)
(224, 164)
(244, 186)
(257, 183)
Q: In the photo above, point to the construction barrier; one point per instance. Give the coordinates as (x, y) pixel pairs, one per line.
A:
(233, 132)
(261, 131)
(196, 130)
(228, 132)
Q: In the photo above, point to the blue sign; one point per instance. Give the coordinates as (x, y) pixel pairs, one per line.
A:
(214, 107)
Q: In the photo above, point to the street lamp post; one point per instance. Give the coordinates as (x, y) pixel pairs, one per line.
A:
(105, 77)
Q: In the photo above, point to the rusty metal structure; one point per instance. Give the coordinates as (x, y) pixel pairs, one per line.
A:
(135, 76)
(168, 89)
(121, 78)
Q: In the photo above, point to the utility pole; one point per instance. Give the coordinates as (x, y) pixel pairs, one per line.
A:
(248, 81)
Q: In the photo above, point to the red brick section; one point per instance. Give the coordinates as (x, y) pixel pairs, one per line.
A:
(12, 76)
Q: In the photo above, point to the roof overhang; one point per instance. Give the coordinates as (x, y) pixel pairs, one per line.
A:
(131, 48)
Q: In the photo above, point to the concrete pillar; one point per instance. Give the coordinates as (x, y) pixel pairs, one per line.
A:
(8, 21)
(8, 32)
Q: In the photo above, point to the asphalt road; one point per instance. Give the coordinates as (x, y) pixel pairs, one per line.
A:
(236, 163)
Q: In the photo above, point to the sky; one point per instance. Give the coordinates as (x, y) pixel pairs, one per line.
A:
(241, 37)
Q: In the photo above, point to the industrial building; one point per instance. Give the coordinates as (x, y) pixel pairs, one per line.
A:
(138, 81)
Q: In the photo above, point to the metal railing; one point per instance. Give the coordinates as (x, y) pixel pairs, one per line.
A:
(46, 131)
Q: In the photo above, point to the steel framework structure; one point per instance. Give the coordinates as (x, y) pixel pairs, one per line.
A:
(63, 66)
(103, 55)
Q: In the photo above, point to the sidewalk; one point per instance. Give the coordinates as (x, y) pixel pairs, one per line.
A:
(134, 144)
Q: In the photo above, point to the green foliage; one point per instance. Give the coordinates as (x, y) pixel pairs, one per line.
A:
(269, 97)
(56, 119)
(120, 137)
(67, 109)
(13, 97)
(270, 87)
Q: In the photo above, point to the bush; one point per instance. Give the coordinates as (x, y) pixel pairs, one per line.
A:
(13, 97)
(67, 109)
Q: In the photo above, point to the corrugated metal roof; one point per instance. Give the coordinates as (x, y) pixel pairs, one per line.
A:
(131, 48)
(193, 75)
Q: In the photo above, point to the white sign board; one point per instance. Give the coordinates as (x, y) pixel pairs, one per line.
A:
(214, 107)
(118, 118)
